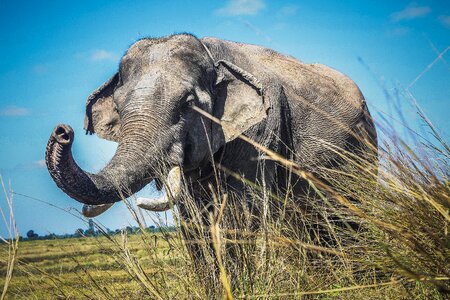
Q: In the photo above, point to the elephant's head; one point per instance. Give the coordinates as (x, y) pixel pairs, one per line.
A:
(146, 107)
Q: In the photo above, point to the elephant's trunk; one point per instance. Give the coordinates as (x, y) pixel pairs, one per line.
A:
(121, 178)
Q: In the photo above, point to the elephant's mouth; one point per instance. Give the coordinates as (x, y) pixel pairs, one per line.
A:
(172, 187)
(172, 193)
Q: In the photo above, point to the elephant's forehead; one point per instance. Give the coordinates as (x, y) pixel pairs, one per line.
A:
(163, 82)
(145, 55)
(165, 74)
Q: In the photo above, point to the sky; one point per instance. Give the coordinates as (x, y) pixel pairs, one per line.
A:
(53, 54)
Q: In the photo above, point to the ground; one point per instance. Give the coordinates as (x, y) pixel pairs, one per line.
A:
(78, 268)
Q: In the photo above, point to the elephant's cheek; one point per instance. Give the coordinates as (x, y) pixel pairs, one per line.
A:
(195, 152)
(176, 153)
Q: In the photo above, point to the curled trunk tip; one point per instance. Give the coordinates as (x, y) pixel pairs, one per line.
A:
(87, 188)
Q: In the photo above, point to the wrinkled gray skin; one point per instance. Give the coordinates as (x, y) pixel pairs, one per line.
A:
(146, 108)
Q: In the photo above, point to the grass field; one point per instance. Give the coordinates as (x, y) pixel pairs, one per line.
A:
(98, 268)
(84, 267)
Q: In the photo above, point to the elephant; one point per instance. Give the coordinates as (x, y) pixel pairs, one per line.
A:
(178, 107)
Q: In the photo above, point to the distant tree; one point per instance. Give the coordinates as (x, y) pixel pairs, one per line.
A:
(32, 235)
(129, 229)
(51, 236)
(78, 233)
(89, 232)
(91, 225)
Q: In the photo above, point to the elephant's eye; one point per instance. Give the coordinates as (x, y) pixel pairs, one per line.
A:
(190, 100)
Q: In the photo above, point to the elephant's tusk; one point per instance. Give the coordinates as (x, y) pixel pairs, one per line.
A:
(172, 193)
(153, 204)
(91, 211)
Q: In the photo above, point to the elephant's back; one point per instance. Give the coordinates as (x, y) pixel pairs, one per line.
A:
(326, 106)
(299, 79)
(328, 110)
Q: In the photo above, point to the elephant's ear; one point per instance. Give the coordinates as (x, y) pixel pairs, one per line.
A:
(102, 117)
(240, 100)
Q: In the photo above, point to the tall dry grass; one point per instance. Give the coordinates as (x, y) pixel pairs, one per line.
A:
(9, 253)
(399, 248)
(374, 229)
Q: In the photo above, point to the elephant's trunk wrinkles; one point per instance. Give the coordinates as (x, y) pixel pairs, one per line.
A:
(120, 178)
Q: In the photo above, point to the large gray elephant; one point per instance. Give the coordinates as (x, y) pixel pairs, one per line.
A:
(151, 108)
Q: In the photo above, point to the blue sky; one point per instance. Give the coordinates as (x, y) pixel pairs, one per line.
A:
(55, 53)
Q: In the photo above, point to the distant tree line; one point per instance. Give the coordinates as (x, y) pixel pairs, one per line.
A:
(92, 231)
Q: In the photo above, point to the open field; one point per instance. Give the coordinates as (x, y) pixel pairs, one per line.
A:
(81, 268)
(142, 266)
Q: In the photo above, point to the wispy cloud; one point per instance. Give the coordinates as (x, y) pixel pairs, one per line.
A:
(27, 166)
(445, 20)
(288, 10)
(241, 7)
(412, 11)
(280, 26)
(399, 31)
(38, 164)
(40, 69)
(101, 54)
(257, 31)
(14, 111)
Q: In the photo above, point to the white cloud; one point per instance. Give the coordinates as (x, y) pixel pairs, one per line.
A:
(100, 54)
(412, 11)
(241, 7)
(288, 10)
(14, 111)
(445, 20)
